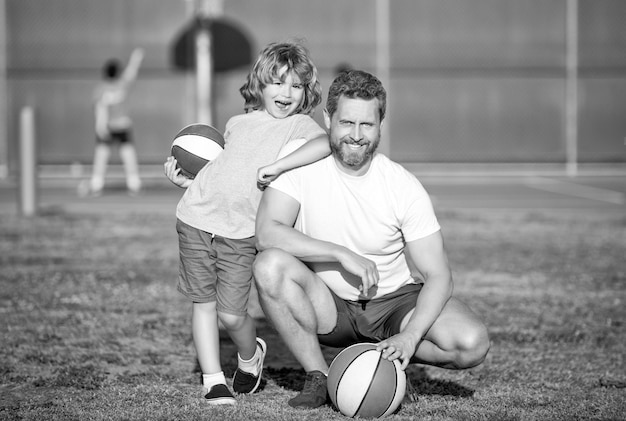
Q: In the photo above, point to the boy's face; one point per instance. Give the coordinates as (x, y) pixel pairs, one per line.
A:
(283, 95)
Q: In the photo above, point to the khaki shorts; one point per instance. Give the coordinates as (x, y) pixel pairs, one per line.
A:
(370, 320)
(214, 268)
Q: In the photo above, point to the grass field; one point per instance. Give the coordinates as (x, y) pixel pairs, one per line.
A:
(93, 328)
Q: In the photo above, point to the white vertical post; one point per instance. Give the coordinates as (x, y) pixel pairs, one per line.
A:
(190, 78)
(571, 88)
(204, 62)
(204, 70)
(28, 163)
(4, 142)
(383, 63)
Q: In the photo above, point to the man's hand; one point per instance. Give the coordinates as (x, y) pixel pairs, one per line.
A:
(173, 173)
(362, 267)
(401, 346)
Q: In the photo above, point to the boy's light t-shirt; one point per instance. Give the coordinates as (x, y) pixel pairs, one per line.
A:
(223, 198)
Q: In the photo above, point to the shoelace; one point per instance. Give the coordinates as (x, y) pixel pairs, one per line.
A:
(311, 383)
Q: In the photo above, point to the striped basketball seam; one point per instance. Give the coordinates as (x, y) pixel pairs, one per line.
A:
(197, 130)
(396, 389)
(370, 385)
(343, 373)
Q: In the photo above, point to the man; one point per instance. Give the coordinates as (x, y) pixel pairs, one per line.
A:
(335, 240)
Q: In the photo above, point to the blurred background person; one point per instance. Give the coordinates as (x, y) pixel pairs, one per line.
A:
(113, 125)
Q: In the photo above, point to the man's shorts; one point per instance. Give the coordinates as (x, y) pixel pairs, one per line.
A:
(370, 320)
(214, 268)
(116, 137)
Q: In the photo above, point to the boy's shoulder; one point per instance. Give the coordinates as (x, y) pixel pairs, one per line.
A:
(261, 117)
(252, 117)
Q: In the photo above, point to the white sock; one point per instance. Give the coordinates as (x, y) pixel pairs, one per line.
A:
(250, 366)
(210, 380)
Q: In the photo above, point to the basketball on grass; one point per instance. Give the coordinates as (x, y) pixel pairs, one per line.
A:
(194, 146)
(363, 384)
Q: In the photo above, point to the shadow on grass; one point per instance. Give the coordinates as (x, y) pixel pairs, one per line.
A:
(293, 379)
(283, 369)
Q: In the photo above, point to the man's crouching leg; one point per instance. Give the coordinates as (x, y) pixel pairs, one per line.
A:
(298, 304)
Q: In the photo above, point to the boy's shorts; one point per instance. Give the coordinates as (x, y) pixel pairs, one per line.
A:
(214, 268)
(370, 320)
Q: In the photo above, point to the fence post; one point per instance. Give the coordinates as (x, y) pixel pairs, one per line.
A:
(571, 88)
(28, 163)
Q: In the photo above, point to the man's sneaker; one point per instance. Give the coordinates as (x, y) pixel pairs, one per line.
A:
(244, 382)
(220, 395)
(314, 393)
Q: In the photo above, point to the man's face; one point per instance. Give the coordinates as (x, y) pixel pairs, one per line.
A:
(354, 133)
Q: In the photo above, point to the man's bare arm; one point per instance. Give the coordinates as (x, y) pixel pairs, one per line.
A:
(275, 220)
(429, 257)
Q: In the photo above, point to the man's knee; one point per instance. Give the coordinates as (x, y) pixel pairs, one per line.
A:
(268, 269)
(474, 346)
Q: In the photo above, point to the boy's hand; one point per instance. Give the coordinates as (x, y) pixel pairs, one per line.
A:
(265, 175)
(174, 174)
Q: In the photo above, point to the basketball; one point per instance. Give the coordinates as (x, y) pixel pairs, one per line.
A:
(363, 384)
(194, 146)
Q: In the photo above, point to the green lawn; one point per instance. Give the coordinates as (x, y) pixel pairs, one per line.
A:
(93, 328)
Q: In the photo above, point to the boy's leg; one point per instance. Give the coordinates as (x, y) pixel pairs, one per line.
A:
(234, 269)
(206, 336)
(197, 282)
(458, 339)
(206, 340)
(250, 355)
(242, 330)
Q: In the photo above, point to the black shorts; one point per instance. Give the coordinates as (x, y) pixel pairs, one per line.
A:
(116, 137)
(370, 320)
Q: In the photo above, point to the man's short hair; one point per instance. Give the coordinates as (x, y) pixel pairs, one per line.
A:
(356, 84)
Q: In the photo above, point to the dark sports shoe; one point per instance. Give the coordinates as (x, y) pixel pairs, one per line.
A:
(244, 382)
(220, 395)
(314, 393)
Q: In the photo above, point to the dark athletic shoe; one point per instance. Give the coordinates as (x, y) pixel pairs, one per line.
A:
(244, 382)
(314, 393)
(220, 395)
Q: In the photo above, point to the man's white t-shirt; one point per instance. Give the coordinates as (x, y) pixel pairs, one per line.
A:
(372, 215)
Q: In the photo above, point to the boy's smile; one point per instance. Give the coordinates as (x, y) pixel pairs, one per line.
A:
(283, 95)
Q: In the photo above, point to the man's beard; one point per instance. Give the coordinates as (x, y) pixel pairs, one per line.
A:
(354, 159)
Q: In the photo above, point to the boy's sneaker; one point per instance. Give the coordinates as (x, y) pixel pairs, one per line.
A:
(244, 382)
(220, 395)
(314, 393)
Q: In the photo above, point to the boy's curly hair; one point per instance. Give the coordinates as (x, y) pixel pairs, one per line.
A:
(267, 66)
